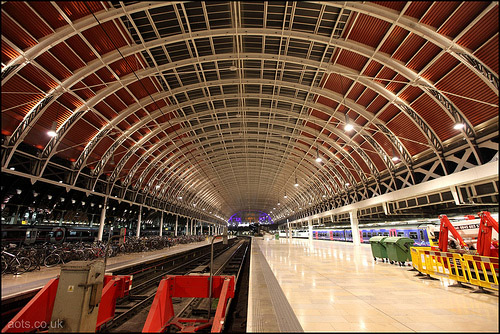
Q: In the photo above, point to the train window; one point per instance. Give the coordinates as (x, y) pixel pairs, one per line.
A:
(386, 234)
(364, 234)
(413, 235)
(422, 235)
(72, 233)
(401, 234)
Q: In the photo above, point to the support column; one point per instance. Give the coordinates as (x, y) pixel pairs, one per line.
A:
(289, 230)
(103, 218)
(310, 226)
(191, 231)
(187, 226)
(201, 228)
(353, 216)
(139, 222)
(176, 224)
(161, 224)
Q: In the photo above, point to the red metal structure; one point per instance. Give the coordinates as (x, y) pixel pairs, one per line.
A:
(443, 234)
(485, 247)
(161, 315)
(39, 309)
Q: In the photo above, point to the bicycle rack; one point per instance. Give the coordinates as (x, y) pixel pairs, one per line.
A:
(161, 315)
(39, 308)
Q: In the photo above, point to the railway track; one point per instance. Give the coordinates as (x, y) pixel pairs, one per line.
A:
(132, 311)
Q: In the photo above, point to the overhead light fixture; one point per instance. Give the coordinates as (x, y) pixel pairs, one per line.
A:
(394, 156)
(296, 184)
(348, 126)
(12, 168)
(285, 196)
(347, 184)
(52, 132)
(324, 195)
(318, 158)
(19, 191)
(158, 186)
(279, 204)
(60, 181)
(458, 126)
(49, 197)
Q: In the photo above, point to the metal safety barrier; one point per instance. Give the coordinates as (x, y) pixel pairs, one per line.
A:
(477, 270)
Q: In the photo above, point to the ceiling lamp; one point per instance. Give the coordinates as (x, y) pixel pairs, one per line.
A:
(348, 126)
(394, 156)
(318, 158)
(347, 184)
(458, 126)
(52, 132)
(296, 184)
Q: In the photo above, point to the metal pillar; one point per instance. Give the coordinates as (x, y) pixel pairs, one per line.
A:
(161, 224)
(191, 231)
(289, 233)
(103, 218)
(310, 225)
(353, 216)
(176, 224)
(187, 226)
(139, 222)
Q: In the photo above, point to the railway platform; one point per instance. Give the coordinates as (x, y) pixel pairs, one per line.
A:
(13, 285)
(301, 285)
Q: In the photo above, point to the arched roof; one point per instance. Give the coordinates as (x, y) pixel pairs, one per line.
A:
(228, 104)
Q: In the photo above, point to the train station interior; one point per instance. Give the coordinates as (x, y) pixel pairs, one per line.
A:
(249, 166)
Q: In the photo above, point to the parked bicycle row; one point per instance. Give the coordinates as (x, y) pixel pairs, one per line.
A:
(19, 259)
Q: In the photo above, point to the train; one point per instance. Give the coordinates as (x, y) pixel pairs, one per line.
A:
(423, 234)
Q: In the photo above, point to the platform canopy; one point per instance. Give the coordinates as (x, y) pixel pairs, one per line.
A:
(282, 107)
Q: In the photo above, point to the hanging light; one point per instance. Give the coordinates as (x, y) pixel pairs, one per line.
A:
(52, 132)
(348, 126)
(296, 184)
(318, 158)
(394, 156)
(458, 126)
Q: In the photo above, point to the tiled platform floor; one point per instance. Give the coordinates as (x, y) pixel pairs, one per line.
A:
(336, 286)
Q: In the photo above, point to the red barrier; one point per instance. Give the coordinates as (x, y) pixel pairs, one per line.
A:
(36, 315)
(161, 315)
(37, 312)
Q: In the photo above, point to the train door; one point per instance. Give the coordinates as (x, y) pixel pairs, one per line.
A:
(361, 236)
(31, 235)
(57, 235)
(392, 232)
(422, 236)
(315, 233)
(331, 235)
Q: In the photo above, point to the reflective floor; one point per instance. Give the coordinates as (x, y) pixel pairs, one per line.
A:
(335, 286)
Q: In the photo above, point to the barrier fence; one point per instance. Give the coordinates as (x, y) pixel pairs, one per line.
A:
(477, 270)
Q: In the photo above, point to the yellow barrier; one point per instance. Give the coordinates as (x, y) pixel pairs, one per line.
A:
(482, 270)
(466, 268)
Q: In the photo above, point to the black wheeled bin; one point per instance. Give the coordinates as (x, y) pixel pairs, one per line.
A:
(378, 248)
(398, 249)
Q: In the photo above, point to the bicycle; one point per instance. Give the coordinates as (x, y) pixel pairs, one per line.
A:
(14, 263)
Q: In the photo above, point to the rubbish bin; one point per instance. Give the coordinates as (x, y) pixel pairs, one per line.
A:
(277, 236)
(378, 248)
(398, 249)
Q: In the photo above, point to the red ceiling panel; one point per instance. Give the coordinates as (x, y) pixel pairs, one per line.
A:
(37, 136)
(352, 60)
(356, 91)
(338, 83)
(105, 110)
(423, 57)
(123, 67)
(95, 120)
(418, 8)
(367, 97)
(440, 67)
(53, 66)
(403, 127)
(410, 93)
(105, 75)
(369, 30)
(70, 101)
(396, 5)
(125, 96)
(352, 170)
(80, 133)
(78, 9)
(464, 15)
(142, 88)
(22, 99)
(474, 88)
(397, 84)
(100, 40)
(375, 158)
(82, 91)
(327, 102)
(26, 17)
(8, 53)
(482, 31)
(47, 11)
(101, 148)
(385, 73)
(54, 112)
(115, 103)
(488, 54)
(377, 104)
(160, 103)
(395, 38)
(435, 116)
(372, 68)
(440, 11)
(383, 141)
(77, 44)
(409, 47)
(319, 114)
(388, 113)
(37, 77)
(15, 34)
(67, 57)
(360, 162)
